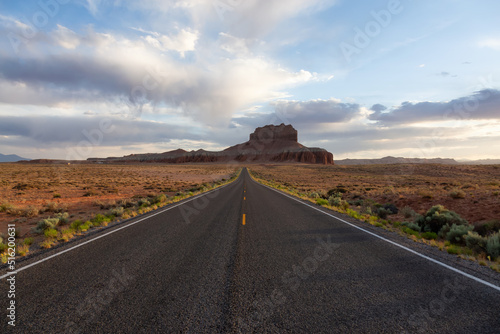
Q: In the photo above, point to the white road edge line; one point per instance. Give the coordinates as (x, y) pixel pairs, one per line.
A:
(389, 241)
(111, 232)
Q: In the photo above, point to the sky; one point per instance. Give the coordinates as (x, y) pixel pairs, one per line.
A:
(362, 79)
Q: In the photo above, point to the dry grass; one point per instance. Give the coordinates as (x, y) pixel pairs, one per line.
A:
(418, 187)
(31, 192)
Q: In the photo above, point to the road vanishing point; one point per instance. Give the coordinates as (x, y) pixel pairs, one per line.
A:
(248, 259)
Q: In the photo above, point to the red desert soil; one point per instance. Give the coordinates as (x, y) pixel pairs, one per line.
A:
(417, 186)
(81, 189)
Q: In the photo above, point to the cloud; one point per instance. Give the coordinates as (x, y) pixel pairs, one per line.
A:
(378, 107)
(316, 111)
(106, 67)
(184, 41)
(61, 131)
(483, 104)
(92, 6)
(66, 38)
(241, 18)
(491, 43)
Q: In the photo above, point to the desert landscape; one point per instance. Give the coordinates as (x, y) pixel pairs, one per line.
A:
(471, 191)
(453, 207)
(32, 193)
(53, 202)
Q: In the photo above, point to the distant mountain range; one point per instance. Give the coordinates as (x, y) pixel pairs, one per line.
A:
(11, 158)
(400, 160)
(394, 160)
(480, 162)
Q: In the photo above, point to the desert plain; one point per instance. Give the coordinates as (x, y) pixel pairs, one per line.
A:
(31, 193)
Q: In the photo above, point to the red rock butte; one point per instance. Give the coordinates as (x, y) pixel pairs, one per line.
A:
(271, 143)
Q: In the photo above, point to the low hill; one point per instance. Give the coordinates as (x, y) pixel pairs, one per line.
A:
(11, 158)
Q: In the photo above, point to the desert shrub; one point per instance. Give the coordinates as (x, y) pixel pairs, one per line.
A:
(56, 195)
(74, 225)
(357, 202)
(314, 195)
(3, 247)
(127, 203)
(28, 241)
(22, 250)
(117, 212)
(51, 233)
(99, 219)
(487, 228)
(476, 242)
(160, 199)
(408, 212)
(47, 243)
(437, 217)
(52, 207)
(367, 210)
(143, 202)
(63, 217)
(429, 235)
(334, 200)
(45, 224)
(457, 193)
(426, 194)
(411, 225)
(457, 233)
(391, 209)
(321, 201)
(30, 211)
(408, 230)
(104, 205)
(493, 245)
(85, 226)
(382, 213)
(9, 208)
(66, 234)
(453, 250)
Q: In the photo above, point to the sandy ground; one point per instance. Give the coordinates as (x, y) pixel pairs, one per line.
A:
(83, 190)
(417, 186)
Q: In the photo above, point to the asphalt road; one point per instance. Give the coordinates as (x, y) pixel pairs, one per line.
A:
(246, 259)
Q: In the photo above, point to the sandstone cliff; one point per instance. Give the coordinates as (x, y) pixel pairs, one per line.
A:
(267, 144)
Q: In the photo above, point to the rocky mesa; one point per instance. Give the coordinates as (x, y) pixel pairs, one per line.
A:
(270, 143)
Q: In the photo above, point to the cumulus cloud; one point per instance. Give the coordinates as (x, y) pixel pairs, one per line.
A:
(106, 67)
(184, 41)
(484, 104)
(378, 107)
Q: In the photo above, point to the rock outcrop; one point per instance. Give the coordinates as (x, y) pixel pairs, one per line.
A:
(267, 144)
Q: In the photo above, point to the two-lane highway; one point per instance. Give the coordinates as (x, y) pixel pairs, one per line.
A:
(247, 259)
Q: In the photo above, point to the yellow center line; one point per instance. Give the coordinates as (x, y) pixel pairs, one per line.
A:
(244, 219)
